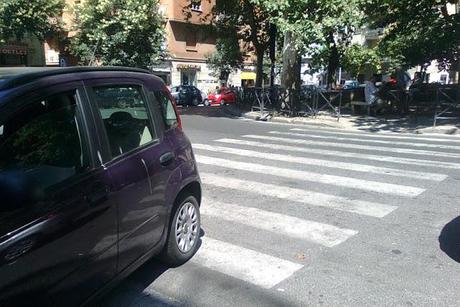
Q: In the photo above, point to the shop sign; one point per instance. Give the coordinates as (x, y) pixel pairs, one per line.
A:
(188, 67)
(14, 49)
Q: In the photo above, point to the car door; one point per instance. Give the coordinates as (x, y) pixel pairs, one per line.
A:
(58, 225)
(137, 160)
(228, 95)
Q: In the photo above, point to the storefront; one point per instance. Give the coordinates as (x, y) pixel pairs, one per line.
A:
(13, 54)
(193, 73)
(189, 73)
(248, 78)
(24, 53)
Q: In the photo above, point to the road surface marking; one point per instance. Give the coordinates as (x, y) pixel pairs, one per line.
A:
(352, 146)
(366, 185)
(319, 162)
(373, 140)
(300, 195)
(245, 264)
(414, 137)
(340, 154)
(324, 234)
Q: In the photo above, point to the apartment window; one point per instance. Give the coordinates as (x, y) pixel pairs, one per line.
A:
(191, 40)
(196, 5)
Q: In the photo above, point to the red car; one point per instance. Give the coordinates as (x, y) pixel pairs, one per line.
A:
(220, 97)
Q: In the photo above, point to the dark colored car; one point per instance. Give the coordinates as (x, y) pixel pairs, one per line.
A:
(186, 95)
(96, 177)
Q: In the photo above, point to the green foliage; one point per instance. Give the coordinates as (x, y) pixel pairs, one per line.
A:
(359, 59)
(418, 31)
(321, 29)
(251, 24)
(39, 18)
(228, 56)
(118, 32)
(312, 21)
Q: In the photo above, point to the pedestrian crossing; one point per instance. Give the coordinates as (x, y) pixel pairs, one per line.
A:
(287, 139)
(244, 177)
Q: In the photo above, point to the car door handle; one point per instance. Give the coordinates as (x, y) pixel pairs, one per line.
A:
(167, 158)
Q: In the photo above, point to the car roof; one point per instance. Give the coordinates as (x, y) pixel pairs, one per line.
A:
(11, 77)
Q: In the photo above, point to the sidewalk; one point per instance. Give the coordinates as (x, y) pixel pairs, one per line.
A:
(396, 124)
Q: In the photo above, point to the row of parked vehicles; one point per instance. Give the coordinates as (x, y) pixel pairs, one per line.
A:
(191, 95)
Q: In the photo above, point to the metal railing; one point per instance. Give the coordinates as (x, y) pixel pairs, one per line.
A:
(313, 101)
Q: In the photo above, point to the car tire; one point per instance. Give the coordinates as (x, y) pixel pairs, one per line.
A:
(179, 249)
(195, 102)
(222, 102)
(206, 102)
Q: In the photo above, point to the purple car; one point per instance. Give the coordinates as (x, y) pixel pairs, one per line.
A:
(96, 177)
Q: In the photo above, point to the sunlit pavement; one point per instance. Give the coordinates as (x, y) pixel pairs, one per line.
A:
(303, 215)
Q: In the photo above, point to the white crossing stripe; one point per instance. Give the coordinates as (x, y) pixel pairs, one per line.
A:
(324, 234)
(338, 138)
(245, 264)
(366, 185)
(323, 163)
(300, 195)
(344, 154)
(352, 146)
(376, 135)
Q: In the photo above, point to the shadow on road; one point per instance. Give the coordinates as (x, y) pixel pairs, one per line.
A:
(131, 291)
(396, 123)
(218, 111)
(449, 239)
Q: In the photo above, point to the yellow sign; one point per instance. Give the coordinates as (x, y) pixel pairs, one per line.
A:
(247, 75)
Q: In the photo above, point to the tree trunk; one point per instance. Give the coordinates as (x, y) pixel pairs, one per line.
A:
(224, 74)
(272, 44)
(290, 75)
(333, 63)
(259, 67)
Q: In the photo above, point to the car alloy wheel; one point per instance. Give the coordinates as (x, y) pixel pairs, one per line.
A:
(187, 227)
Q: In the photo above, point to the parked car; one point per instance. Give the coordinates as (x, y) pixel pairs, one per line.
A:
(220, 97)
(95, 172)
(186, 95)
(350, 84)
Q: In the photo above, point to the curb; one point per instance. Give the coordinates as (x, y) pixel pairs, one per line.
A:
(235, 111)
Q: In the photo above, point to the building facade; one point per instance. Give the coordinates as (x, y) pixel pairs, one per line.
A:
(188, 42)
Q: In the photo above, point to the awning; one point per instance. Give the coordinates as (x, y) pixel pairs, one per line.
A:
(246, 75)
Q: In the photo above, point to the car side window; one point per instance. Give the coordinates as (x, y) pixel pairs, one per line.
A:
(167, 107)
(41, 145)
(124, 112)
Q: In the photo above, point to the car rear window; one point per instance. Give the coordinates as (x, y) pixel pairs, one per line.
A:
(167, 107)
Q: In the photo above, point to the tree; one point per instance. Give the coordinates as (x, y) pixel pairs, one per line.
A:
(358, 59)
(226, 58)
(118, 32)
(418, 31)
(39, 18)
(251, 24)
(317, 28)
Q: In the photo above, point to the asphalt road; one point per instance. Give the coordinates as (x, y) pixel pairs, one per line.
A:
(308, 216)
